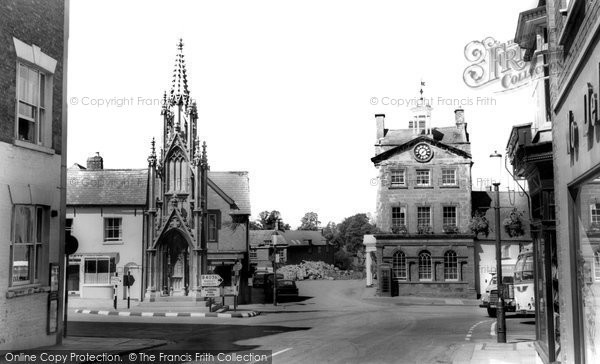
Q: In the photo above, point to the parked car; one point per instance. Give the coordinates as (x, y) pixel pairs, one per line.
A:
(268, 279)
(285, 288)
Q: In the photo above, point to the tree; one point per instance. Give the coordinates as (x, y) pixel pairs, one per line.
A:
(310, 221)
(255, 225)
(352, 230)
(266, 221)
(331, 233)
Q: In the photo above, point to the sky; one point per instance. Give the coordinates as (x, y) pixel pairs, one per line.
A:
(287, 90)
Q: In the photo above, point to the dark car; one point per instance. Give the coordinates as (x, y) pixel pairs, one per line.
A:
(268, 279)
(285, 288)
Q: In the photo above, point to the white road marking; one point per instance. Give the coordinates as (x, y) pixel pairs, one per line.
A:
(277, 353)
(493, 328)
(470, 333)
(280, 352)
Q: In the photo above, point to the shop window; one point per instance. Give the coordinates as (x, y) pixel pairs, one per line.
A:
(586, 248)
(253, 254)
(450, 266)
(29, 234)
(98, 270)
(399, 266)
(425, 272)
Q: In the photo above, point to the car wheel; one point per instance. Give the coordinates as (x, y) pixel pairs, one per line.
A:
(491, 312)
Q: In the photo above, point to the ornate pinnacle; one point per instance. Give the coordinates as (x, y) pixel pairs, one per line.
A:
(152, 157)
(204, 158)
(197, 152)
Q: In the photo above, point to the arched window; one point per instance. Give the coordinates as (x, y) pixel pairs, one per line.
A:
(597, 264)
(399, 266)
(425, 266)
(450, 266)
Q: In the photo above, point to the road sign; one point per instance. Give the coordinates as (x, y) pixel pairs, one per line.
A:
(230, 291)
(115, 280)
(210, 280)
(210, 292)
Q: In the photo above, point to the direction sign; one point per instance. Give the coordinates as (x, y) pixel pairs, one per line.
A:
(210, 292)
(210, 280)
(115, 280)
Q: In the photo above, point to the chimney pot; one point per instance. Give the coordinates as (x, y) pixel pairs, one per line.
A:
(380, 124)
(459, 116)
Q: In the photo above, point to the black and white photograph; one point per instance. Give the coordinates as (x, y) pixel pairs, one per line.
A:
(300, 182)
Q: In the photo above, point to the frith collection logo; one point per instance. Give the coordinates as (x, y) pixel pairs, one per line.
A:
(493, 62)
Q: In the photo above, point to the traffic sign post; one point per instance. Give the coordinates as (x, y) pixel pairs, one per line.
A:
(210, 280)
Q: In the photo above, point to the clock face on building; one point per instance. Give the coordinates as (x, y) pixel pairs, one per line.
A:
(423, 152)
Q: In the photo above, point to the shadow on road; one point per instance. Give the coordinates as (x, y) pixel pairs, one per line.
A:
(204, 337)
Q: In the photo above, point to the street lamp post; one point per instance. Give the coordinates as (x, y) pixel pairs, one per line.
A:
(275, 258)
(500, 317)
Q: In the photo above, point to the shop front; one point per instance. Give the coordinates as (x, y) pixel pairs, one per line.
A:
(529, 151)
(576, 137)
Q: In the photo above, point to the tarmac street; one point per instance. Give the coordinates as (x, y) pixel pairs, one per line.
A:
(332, 321)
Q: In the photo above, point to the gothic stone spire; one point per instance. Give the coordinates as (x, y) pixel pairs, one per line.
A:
(180, 93)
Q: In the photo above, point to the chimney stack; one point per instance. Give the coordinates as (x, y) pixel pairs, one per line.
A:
(379, 122)
(459, 116)
(95, 162)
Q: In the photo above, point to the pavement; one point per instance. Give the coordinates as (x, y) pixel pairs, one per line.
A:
(492, 353)
(90, 306)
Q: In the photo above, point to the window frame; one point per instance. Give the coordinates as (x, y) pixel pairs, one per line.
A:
(430, 224)
(425, 266)
(595, 213)
(109, 274)
(444, 221)
(454, 176)
(213, 238)
(399, 266)
(37, 240)
(451, 266)
(108, 239)
(39, 106)
(403, 218)
(417, 183)
(398, 172)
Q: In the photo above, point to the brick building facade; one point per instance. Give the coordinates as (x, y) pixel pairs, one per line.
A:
(32, 171)
(424, 208)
